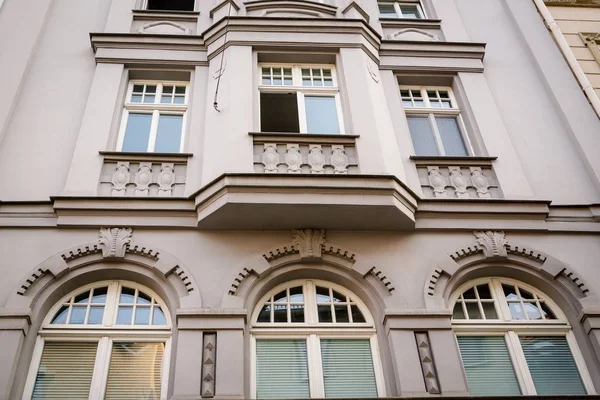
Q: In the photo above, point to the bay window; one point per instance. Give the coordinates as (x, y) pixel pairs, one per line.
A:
(434, 121)
(513, 340)
(154, 117)
(299, 99)
(314, 339)
(109, 340)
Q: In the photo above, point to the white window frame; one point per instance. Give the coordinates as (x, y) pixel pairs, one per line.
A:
(431, 112)
(398, 4)
(144, 6)
(155, 109)
(105, 335)
(511, 329)
(302, 91)
(313, 331)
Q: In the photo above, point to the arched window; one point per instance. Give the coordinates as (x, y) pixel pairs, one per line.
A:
(514, 340)
(109, 340)
(312, 338)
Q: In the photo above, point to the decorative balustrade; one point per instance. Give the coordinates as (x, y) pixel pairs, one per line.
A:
(458, 177)
(143, 175)
(305, 153)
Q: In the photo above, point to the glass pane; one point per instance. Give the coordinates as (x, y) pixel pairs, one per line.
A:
(166, 99)
(458, 312)
(348, 368)
(357, 316)
(469, 294)
(407, 103)
(180, 90)
(99, 295)
(516, 311)
(337, 297)
(547, 311)
(341, 314)
(168, 138)
(533, 312)
(96, 314)
(280, 297)
(277, 81)
(484, 291)
(266, 81)
(509, 292)
(451, 136)
(78, 314)
(149, 98)
(142, 316)
(265, 314)
(135, 371)
(124, 315)
(167, 90)
(323, 295)
(151, 89)
(422, 136)
(136, 98)
(143, 298)
(325, 314)
(280, 313)
(127, 295)
(138, 88)
(137, 132)
(489, 310)
(288, 82)
(296, 295)
(61, 316)
(321, 114)
(282, 369)
(488, 366)
(410, 12)
(473, 311)
(525, 294)
(552, 366)
(297, 312)
(158, 317)
(387, 10)
(82, 298)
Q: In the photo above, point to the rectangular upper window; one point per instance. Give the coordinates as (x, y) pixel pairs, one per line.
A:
(170, 5)
(300, 99)
(434, 121)
(399, 9)
(154, 117)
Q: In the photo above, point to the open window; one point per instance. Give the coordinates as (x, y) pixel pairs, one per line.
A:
(170, 5)
(299, 99)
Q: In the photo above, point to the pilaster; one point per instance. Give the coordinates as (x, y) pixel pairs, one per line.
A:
(14, 325)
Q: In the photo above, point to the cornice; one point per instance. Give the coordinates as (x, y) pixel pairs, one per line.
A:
(410, 23)
(253, 5)
(433, 49)
(572, 3)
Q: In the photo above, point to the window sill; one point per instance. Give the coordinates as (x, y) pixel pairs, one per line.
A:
(314, 138)
(144, 156)
(411, 23)
(453, 160)
(167, 14)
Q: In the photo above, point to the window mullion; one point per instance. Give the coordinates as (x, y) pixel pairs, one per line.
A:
(398, 10)
(436, 134)
(500, 298)
(315, 367)
(153, 130)
(111, 305)
(100, 375)
(310, 303)
(301, 112)
(520, 363)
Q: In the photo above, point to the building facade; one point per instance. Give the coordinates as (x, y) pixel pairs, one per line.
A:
(292, 199)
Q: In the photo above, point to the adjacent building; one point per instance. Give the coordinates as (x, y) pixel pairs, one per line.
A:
(295, 198)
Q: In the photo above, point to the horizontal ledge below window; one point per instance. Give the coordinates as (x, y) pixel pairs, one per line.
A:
(145, 156)
(410, 23)
(452, 160)
(167, 14)
(311, 138)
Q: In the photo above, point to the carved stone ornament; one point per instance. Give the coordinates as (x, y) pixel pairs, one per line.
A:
(493, 243)
(166, 179)
(316, 159)
(458, 182)
(209, 354)
(143, 178)
(481, 183)
(293, 158)
(309, 242)
(114, 241)
(339, 159)
(270, 158)
(427, 365)
(120, 178)
(437, 182)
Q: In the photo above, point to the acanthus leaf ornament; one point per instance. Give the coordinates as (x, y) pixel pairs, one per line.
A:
(493, 243)
(309, 242)
(114, 241)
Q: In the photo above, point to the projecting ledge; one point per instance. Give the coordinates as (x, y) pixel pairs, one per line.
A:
(288, 201)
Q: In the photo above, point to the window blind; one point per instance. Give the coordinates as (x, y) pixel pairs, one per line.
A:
(282, 369)
(551, 365)
(488, 366)
(65, 370)
(348, 368)
(135, 371)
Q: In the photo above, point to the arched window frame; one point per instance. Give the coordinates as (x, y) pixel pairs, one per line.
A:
(104, 335)
(313, 331)
(511, 329)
